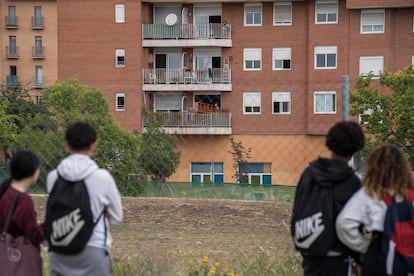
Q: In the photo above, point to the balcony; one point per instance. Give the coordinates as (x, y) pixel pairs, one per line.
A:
(12, 22)
(186, 35)
(191, 123)
(37, 22)
(182, 79)
(12, 52)
(12, 80)
(38, 83)
(38, 52)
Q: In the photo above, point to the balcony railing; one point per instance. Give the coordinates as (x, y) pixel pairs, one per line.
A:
(12, 52)
(186, 31)
(12, 22)
(38, 52)
(38, 83)
(187, 76)
(12, 80)
(37, 22)
(188, 119)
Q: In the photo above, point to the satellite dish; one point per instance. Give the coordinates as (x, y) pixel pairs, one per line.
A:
(171, 19)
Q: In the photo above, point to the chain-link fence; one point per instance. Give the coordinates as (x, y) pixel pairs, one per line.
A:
(271, 131)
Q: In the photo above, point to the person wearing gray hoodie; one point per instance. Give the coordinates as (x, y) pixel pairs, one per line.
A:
(103, 193)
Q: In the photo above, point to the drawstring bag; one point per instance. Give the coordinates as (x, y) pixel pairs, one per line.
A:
(18, 256)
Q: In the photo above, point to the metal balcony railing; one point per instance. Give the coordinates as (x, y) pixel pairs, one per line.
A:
(38, 52)
(12, 22)
(187, 76)
(186, 31)
(12, 52)
(37, 22)
(188, 119)
(38, 83)
(12, 80)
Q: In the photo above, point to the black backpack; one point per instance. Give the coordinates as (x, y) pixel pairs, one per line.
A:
(313, 219)
(69, 220)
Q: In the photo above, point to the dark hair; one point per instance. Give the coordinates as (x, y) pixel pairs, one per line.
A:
(387, 169)
(345, 138)
(80, 136)
(23, 164)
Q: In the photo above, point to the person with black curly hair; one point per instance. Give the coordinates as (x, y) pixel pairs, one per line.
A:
(333, 177)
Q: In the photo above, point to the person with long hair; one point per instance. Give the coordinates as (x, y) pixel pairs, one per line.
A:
(361, 222)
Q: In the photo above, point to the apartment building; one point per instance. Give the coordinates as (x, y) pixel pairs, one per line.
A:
(268, 74)
(28, 38)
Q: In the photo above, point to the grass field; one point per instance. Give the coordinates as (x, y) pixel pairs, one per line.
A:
(170, 236)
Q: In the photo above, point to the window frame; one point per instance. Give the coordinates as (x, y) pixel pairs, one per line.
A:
(278, 51)
(119, 52)
(252, 94)
(118, 96)
(320, 10)
(38, 79)
(248, 174)
(212, 173)
(371, 58)
(325, 50)
(253, 52)
(372, 11)
(316, 93)
(119, 13)
(275, 95)
(282, 22)
(245, 12)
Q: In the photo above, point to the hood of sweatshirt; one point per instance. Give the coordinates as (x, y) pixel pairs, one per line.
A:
(328, 172)
(76, 167)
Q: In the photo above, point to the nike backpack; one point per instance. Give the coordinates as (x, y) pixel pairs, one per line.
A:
(69, 220)
(313, 219)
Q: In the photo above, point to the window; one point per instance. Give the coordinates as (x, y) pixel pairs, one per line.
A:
(412, 60)
(257, 173)
(252, 14)
(374, 64)
(38, 48)
(281, 58)
(326, 11)
(12, 51)
(325, 102)
(38, 99)
(120, 102)
(120, 57)
(372, 21)
(38, 81)
(252, 59)
(325, 57)
(11, 19)
(281, 102)
(120, 13)
(251, 102)
(37, 19)
(282, 13)
(207, 172)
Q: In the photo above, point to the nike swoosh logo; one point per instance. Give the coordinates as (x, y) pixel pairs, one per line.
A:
(70, 236)
(309, 240)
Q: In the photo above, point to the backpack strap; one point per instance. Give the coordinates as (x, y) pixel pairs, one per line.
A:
(10, 213)
(104, 220)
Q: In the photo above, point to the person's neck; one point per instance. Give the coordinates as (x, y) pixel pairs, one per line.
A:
(21, 185)
(343, 158)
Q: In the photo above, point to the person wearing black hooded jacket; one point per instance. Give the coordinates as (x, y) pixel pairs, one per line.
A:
(336, 176)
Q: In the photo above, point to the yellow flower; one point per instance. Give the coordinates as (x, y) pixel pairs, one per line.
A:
(212, 269)
(205, 259)
(231, 274)
(217, 264)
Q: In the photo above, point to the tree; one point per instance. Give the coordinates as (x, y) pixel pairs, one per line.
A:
(158, 155)
(240, 159)
(387, 116)
(8, 130)
(117, 150)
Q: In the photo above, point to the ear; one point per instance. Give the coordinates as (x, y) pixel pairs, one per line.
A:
(93, 146)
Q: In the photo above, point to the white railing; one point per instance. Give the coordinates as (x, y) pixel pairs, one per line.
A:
(186, 31)
(186, 76)
(188, 119)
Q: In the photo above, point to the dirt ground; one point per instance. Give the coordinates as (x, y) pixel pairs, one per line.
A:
(188, 229)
